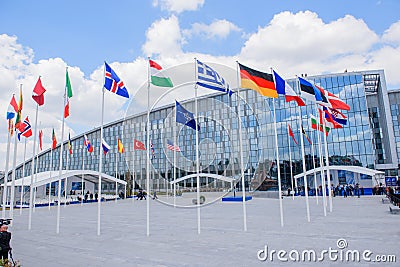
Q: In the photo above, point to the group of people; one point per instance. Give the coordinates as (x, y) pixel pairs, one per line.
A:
(88, 196)
(344, 190)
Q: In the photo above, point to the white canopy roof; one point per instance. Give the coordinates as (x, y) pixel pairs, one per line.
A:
(356, 169)
(43, 178)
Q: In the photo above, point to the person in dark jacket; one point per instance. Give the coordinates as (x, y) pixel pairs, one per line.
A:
(5, 238)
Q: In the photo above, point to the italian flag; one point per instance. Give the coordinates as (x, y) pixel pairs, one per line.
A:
(315, 125)
(68, 89)
(157, 77)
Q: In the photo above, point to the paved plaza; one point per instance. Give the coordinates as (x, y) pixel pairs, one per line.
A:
(365, 224)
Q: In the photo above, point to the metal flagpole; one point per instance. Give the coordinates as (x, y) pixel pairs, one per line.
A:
(321, 163)
(290, 163)
(51, 169)
(315, 173)
(12, 194)
(23, 176)
(241, 152)
(83, 175)
(278, 165)
(116, 171)
(197, 151)
(304, 157)
(148, 154)
(5, 188)
(304, 167)
(174, 170)
(100, 164)
(327, 166)
(60, 164)
(133, 172)
(66, 178)
(36, 171)
(31, 204)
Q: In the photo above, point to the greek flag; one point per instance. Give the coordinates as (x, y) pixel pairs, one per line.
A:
(209, 78)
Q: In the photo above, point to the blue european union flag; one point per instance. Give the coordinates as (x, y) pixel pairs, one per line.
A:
(185, 117)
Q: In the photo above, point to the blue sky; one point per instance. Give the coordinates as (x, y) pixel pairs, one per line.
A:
(85, 33)
(310, 36)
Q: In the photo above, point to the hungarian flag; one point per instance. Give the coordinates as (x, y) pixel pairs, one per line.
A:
(54, 140)
(87, 144)
(40, 139)
(69, 144)
(137, 145)
(157, 77)
(120, 146)
(12, 108)
(304, 132)
(19, 113)
(262, 83)
(283, 88)
(38, 93)
(292, 134)
(68, 92)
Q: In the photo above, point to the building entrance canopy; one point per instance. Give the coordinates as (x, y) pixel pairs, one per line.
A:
(356, 169)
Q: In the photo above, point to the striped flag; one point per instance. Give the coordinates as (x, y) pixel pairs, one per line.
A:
(106, 147)
(69, 144)
(157, 76)
(304, 132)
(207, 77)
(120, 146)
(152, 150)
(172, 146)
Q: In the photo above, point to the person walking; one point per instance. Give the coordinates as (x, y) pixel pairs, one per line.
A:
(5, 238)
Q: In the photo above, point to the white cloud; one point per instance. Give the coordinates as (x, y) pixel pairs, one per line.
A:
(291, 40)
(392, 35)
(164, 37)
(179, 6)
(218, 28)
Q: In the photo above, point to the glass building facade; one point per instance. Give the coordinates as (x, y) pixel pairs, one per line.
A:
(365, 141)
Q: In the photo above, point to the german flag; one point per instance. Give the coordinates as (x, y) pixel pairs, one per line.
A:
(261, 82)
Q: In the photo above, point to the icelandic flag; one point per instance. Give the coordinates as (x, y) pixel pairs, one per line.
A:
(106, 147)
(209, 78)
(12, 108)
(25, 128)
(87, 144)
(185, 117)
(113, 83)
